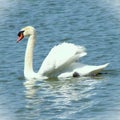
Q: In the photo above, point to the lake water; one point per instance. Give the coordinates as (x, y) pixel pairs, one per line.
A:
(93, 24)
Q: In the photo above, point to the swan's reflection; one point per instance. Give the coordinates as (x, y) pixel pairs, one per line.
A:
(57, 94)
(30, 90)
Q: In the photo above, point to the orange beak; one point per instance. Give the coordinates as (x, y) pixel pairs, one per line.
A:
(20, 36)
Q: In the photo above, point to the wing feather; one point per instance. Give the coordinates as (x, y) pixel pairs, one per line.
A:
(60, 57)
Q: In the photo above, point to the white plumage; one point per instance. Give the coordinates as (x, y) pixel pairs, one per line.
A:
(61, 61)
(61, 57)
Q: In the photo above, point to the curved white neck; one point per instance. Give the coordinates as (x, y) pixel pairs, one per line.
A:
(28, 63)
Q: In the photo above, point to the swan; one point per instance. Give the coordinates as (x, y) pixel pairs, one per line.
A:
(61, 61)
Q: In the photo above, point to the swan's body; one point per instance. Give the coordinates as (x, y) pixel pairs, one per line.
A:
(61, 61)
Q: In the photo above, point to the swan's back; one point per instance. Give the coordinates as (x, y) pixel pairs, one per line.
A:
(60, 57)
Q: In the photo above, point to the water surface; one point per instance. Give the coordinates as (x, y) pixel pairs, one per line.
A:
(93, 24)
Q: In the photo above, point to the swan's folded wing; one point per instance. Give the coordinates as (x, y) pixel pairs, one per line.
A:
(60, 57)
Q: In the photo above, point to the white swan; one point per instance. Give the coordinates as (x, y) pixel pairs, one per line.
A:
(61, 61)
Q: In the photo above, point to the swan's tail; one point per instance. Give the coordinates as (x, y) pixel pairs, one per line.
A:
(83, 70)
(98, 69)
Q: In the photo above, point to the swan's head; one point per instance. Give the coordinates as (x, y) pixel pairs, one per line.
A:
(26, 31)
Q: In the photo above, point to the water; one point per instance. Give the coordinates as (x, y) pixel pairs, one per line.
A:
(93, 24)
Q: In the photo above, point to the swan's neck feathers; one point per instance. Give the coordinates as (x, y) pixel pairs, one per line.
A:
(28, 63)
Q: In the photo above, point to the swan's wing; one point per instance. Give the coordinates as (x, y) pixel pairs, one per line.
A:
(60, 57)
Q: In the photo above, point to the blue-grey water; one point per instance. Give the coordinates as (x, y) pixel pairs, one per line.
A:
(94, 24)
